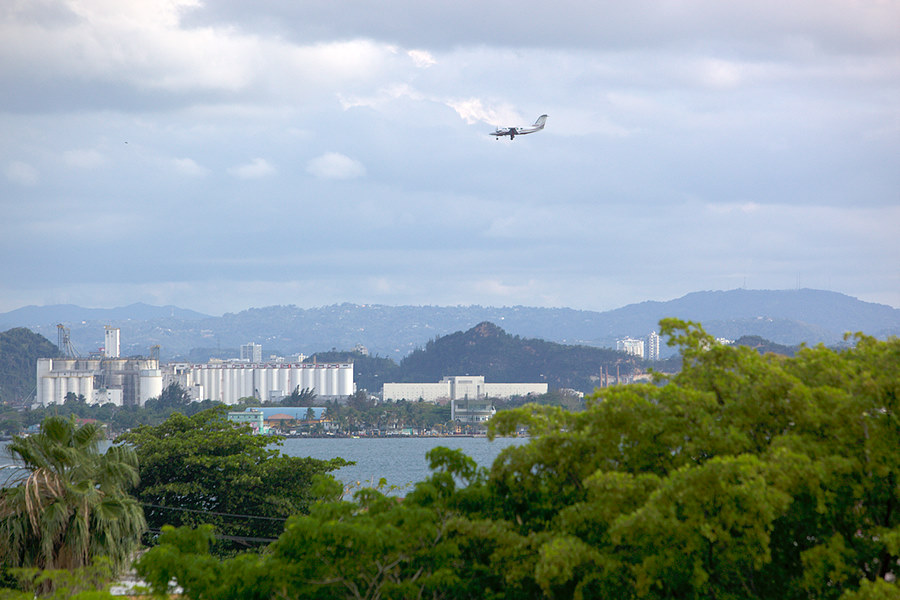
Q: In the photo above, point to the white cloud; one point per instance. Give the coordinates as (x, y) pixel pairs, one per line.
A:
(188, 166)
(255, 169)
(473, 110)
(333, 165)
(21, 173)
(84, 159)
(421, 58)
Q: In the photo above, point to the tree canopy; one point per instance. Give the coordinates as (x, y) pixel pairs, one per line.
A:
(69, 504)
(743, 476)
(206, 469)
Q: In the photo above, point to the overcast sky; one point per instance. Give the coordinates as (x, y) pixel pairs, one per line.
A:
(221, 155)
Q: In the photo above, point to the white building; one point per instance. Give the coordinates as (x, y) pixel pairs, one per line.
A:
(251, 353)
(474, 410)
(111, 342)
(229, 382)
(122, 381)
(459, 387)
(631, 346)
(652, 346)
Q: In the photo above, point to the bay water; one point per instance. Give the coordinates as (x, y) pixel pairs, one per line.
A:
(400, 461)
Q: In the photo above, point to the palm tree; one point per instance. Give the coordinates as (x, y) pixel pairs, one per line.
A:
(70, 504)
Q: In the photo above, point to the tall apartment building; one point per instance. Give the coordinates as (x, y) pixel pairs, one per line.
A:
(251, 353)
(652, 346)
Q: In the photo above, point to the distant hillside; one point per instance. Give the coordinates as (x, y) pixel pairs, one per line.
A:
(19, 351)
(502, 358)
(62, 313)
(786, 317)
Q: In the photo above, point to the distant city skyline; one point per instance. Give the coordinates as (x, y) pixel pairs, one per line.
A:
(224, 155)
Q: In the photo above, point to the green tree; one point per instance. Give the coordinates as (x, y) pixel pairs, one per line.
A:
(174, 397)
(205, 469)
(743, 476)
(304, 397)
(71, 504)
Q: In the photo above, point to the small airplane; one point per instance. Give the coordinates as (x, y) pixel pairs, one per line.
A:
(512, 132)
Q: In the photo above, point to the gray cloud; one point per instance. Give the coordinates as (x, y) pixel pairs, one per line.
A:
(696, 145)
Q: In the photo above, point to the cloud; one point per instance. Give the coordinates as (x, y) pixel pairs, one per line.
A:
(21, 173)
(84, 159)
(473, 110)
(421, 58)
(255, 169)
(333, 165)
(188, 166)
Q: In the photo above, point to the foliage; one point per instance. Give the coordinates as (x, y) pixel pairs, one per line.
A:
(304, 397)
(90, 582)
(71, 503)
(205, 469)
(743, 476)
(361, 413)
(19, 351)
(173, 398)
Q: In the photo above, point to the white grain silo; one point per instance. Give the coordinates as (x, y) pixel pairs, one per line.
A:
(149, 385)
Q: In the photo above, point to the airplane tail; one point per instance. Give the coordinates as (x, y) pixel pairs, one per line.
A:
(541, 120)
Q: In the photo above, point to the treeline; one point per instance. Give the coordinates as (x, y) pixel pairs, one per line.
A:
(359, 414)
(742, 476)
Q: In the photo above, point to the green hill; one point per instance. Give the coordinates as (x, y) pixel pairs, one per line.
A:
(19, 350)
(488, 350)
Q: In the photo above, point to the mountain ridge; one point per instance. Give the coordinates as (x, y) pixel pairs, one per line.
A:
(786, 317)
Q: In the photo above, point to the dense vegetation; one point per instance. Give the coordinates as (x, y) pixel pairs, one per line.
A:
(743, 476)
(201, 469)
(19, 351)
(68, 503)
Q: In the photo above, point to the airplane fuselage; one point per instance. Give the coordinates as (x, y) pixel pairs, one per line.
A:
(512, 132)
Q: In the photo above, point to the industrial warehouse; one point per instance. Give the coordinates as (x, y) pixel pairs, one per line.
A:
(109, 378)
(228, 382)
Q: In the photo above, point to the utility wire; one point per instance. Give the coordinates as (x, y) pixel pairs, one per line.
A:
(231, 538)
(210, 512)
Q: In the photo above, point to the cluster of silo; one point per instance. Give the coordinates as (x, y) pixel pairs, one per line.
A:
(56, 378)
(229, 382)
(133, 380)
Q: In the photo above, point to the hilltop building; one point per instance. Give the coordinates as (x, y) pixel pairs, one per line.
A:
(458, 388)
(631, 346)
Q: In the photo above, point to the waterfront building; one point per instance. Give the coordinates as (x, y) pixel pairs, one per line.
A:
(122, 381)
(270, 382)
(458, 387)
(252, 417)
(471, 410)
